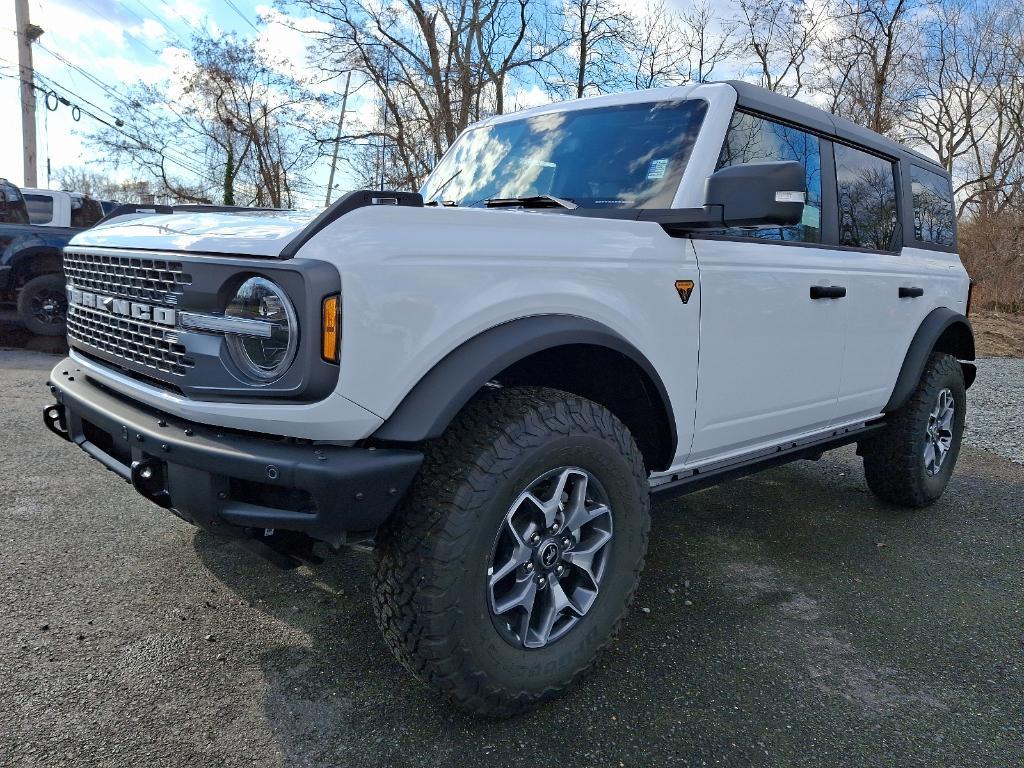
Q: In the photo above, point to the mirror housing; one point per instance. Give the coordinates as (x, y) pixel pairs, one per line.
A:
(758, 194)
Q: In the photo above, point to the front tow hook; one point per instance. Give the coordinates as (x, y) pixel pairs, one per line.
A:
(53, 418)
(150, 479)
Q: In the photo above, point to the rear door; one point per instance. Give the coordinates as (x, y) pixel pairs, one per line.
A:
(900, 267)
(771, 339)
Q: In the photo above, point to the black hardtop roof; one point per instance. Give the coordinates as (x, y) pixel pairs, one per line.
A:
(758, 99)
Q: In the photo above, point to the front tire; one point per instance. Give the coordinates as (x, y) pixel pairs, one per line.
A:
(43, 305)
(528, 485)
(910, 462)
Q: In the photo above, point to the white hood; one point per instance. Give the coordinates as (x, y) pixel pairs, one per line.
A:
(249, 233)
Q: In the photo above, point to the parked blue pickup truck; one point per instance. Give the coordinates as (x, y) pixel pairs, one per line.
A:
(31, 272)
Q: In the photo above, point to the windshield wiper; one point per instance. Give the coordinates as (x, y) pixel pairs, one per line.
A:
(447, 203)
(531, 201)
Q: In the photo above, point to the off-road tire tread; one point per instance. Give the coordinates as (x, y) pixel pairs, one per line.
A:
(412, 602)
(892, 459)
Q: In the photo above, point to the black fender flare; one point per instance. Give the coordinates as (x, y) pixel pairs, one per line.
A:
(941, 322)
(429, 407)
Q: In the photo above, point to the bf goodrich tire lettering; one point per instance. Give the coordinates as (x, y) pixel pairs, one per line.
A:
(431, 597)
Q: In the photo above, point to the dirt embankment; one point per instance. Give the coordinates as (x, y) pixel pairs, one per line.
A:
(997, 334)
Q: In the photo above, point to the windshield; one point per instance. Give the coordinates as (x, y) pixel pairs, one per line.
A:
(629, 156)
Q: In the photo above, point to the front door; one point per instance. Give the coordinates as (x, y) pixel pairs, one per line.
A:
(772, 321)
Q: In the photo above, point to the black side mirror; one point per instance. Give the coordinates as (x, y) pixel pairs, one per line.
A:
(758, 194)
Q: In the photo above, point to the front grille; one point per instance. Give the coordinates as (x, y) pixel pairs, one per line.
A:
(132, 277)
(150, 345)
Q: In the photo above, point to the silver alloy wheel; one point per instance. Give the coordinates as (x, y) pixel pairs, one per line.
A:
(940, 432)
(549, 557)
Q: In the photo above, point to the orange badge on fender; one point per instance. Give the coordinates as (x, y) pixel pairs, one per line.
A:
(684, 288)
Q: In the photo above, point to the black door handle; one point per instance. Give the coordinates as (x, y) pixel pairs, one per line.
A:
(911, 293)
(827, 291)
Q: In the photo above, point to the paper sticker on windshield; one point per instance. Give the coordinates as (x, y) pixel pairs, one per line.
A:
(811, 217)
(657, 169)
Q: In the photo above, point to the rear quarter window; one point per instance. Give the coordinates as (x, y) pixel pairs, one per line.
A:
(933, 206)
(866, 187)
(40, 208)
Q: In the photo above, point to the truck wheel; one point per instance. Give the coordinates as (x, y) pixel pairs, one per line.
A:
(43, 305)
(910, 462)
(516, 555)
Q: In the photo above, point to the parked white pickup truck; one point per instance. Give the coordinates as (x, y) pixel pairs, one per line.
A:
(51, 208)
(589, 304)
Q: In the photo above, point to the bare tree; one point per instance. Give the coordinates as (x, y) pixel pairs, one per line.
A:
(707, 40)
(866, 69)
(596, 32)
(657, 54)
(781, 36)
(232, 124)
(437, 66)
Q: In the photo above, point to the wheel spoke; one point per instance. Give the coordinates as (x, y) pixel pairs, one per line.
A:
(520, 555)
(522, 595)
(555, 602)
(581, 516)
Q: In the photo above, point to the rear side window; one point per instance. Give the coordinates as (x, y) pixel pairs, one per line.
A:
(933, 206)
(85, 211)
(40, 208)
(867, 199)
(753, 139)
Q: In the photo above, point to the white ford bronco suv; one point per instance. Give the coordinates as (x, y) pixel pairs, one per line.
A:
(588, 305)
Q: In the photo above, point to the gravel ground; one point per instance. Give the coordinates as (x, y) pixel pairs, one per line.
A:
(786, 619)
(995, 408)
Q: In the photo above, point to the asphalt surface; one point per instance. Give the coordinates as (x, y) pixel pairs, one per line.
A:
(784, 620)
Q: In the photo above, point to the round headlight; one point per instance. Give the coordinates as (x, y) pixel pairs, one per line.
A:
(265, 354)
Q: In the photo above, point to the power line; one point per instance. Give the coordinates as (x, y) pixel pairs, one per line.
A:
(164, 24)
(155, 54)
(242, 16)
(185, 20)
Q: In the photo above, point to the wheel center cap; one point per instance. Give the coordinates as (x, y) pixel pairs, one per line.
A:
(549, 554)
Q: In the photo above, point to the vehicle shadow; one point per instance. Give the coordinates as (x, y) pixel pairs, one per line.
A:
(732, 612)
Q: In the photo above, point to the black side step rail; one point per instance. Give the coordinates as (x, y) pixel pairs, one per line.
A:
(689, 481)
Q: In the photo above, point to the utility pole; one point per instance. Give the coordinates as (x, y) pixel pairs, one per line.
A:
(337, 139)
(27, 34)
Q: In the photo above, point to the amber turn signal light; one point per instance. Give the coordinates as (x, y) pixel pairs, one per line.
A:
(331, 333)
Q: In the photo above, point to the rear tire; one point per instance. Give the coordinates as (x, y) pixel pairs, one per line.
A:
(43, 305)
(459, 550)
(910, 462)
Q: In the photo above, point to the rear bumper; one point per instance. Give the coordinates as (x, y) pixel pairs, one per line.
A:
(230, 482)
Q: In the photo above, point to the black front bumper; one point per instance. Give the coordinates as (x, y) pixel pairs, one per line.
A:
(227, 481)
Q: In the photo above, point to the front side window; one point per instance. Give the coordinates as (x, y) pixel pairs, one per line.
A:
(630, 156)
(933, 206)
(867, 199)
(40, 208)
(753, 139)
